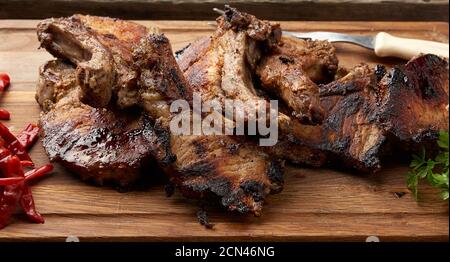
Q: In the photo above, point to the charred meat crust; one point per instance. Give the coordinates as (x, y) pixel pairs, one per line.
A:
(351, 134)
(371, 110)
(162, 142)
(203, 218)
(205, 166)
(275, 175)
(414, 100)
(154, 62)
(255, 28)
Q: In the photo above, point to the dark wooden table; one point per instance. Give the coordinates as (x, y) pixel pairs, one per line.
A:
(300, 10)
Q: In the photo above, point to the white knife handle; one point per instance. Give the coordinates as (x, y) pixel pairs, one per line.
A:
(389, 45)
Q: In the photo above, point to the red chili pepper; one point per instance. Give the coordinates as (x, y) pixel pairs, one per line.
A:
(3, 151)
(4, 81)
(27, 204)
(27, 201)
(10, 167)
(13, 144)
(26, 163)
(35, 173)
(19, 192)
(11, 194)
(13, 188)
(10, 181)
(4, 114)
(28, 136)
(8, 202)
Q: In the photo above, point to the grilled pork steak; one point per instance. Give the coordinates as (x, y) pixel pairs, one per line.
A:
(223, 66)
(223, 166)
(369, 111)
(364, 112)
(106, 146)
(201, 166)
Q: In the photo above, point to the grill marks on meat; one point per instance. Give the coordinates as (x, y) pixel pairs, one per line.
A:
(291, 71)
(368, 112)
(102, 50)
(205, 166)
(219, 166)
(351, 132)
(105, 146)
(414, 99)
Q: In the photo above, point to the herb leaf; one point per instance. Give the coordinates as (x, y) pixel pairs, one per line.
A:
(434, 171)
(443, 140)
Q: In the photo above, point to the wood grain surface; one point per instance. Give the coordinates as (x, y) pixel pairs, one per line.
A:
(328, 10)
(316, 204)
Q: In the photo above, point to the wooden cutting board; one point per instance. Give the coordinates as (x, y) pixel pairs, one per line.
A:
(316, 204)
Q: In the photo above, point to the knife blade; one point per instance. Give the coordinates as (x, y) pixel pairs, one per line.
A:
(364, 41)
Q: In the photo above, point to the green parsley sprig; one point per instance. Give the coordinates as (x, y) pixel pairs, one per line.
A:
(435, 171)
